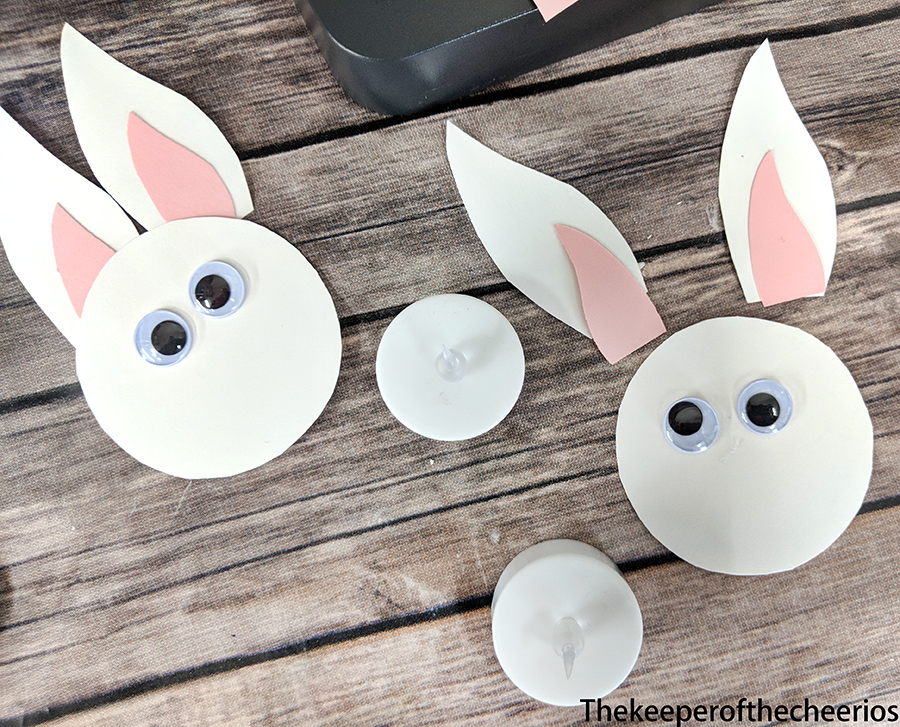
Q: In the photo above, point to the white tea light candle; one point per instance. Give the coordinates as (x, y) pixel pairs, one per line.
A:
(566, 625)
(450, 367)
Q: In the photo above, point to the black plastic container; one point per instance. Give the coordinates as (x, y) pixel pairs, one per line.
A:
(401, 56)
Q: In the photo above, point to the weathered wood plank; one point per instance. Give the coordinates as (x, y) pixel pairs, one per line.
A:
(643, 145)
(252, 67)
(127, 574)
(362, 514)
(826, 632)
(647, 155)
(257, 72)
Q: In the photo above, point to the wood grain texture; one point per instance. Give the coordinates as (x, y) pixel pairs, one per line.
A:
(256, 71)
(113, 576)
(178, 565)
(792, 639)
(647, 157)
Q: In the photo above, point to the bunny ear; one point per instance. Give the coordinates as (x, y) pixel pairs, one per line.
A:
(158, 154)
(58, 229)
(775, 192)
(514, 210)
(619, 313)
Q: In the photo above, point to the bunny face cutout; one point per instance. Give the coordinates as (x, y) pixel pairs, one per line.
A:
(734, 487)
(240, 395)
(744, 445)
(206, 346)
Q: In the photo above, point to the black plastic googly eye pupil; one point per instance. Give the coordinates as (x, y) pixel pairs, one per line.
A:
(168, 338)
(212, 291)
(763, 409)
(685, 418)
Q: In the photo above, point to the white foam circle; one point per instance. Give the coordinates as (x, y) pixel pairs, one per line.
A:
(408, 377)
(752, 503)
(252, 383)
(561, 579)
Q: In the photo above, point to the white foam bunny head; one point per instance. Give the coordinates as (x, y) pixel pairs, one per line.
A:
(205, 346)
(744, 445)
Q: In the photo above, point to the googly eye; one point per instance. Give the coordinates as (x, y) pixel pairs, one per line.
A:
(691, 425)
(217, 289)
(765, 407)
(163, 338)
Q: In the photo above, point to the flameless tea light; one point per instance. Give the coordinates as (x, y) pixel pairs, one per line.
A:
(566, 625)
(450, 367)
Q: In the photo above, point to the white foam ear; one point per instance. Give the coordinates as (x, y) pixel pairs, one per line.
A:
(32, 184)
(514, 210)
(120, 116)
(763, 120)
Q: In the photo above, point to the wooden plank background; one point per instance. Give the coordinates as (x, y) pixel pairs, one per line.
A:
(349, 580)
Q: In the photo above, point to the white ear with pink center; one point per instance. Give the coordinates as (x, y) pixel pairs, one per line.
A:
(57, 228)
(556, 246)
(775, 192)
(155, 152)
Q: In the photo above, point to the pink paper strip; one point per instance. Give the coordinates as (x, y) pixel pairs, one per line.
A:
(79, 256)
(552, 8)
(180, 183)
(620, 315)
(786, 264)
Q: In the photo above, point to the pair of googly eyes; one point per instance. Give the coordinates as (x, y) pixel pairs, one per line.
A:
(164, 338)
(764, 407)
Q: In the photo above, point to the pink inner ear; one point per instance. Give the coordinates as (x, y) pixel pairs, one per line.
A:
(620, 315)
(180, 183)
(786, 264)
(79, 256)
(552, 8)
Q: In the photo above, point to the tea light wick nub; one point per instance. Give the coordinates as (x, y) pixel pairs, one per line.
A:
(568, 642)
(451, 365)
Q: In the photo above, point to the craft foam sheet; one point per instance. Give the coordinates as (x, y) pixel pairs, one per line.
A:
(784, 258)
(620, 314)
(252, 383)
(32, 183)
(763, 120)
(551, 8)
(514, 209)
(752, 503)
(103, 96)
(79, 256)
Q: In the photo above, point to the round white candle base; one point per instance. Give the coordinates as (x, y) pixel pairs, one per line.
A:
(450, 367)
(542, 591)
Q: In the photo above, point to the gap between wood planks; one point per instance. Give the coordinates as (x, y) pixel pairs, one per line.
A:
(73, 390)
(674, 55)
(466, 605)
(626, 566)
(480, 601)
